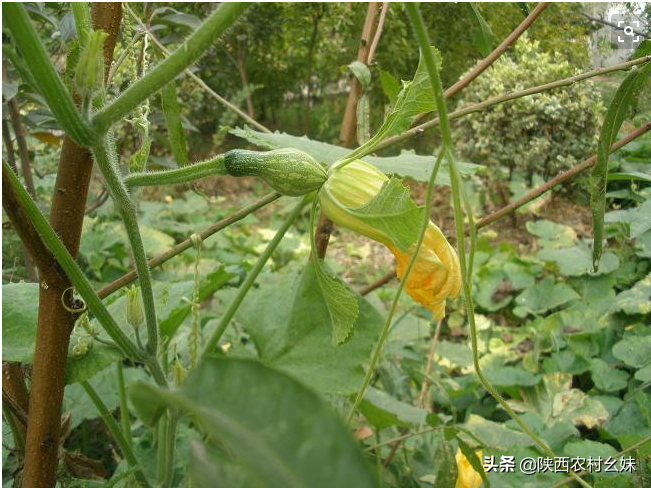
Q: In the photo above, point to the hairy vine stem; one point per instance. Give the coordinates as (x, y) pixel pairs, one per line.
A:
(455, 180)
(106, 161)
(118, 435)
(198, 80)
(250, 279)
(186, 174)
(44, 75)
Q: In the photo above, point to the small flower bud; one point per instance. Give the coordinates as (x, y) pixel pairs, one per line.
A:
(135, 315)
(89, 76)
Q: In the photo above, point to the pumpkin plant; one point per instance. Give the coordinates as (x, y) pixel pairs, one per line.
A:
(242, 412)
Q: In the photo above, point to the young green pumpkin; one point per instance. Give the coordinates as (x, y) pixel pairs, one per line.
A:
(288, 171)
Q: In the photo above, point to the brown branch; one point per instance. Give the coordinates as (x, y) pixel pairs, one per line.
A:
(493, 56)
(533, 194)
(497, 52)
(477, 107)
(349, 123)
(9, 146)
(561, 177)
(21, 140)
(378, 33)
(15, 397)
(54, 321)
(187, 244)
(11, 159)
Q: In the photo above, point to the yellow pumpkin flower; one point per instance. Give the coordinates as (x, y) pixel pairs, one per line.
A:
(435, 275)
(467, 477)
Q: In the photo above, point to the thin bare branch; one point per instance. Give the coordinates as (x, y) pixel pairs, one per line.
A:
(188, 243)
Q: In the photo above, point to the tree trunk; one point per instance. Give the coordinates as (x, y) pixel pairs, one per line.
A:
(54, 321)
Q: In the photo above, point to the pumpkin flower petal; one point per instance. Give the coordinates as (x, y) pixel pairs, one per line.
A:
(467, 477)
(435, 275)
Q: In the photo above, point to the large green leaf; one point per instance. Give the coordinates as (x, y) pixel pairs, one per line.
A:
(406, 164)
(394, 213)
(617, 110)
(341, 302)
(416, 97)
(382, 410)
(575, 261)
(606, 378)
(634, 350)
(544, 296)
(280, 432)
(289, 323)
(482, 35)
(19, 316)
(637, 299)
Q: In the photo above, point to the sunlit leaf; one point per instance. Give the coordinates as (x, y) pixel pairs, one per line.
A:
(279, 431)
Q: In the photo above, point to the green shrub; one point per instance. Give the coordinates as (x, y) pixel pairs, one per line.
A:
(543, 133)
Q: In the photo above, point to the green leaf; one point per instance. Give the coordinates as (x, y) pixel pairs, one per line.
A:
(634, 350)
(495, 435)
(341, 302)
(606, 378)
(416, 97)
(636, 300)
(507, 376)
(638, 218)
(585, 448)
(19, 317)
(173, 124)
(629, 176)
(362, 73)
(390, 86)
(617, 110)
(433, 462)
(575, 261)
(545, 296)
(98, 357)
(482, 35)
(294, 335)
(406, 164)
(394, 213)
(283, 434)
(551, 235)
(382, 410)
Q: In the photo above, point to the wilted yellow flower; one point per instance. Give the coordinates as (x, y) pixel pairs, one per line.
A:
(435, 275)
(467, 477)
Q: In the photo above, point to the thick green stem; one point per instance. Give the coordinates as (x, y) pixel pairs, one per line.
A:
(71, 268)
(44, 75)
(250, 279)
(412, 260)
(81, 14)
(455, 182)
(115, 431)
(125, 420)
(170, 444)
(214, 166)
(105, 160)
(186, 54)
